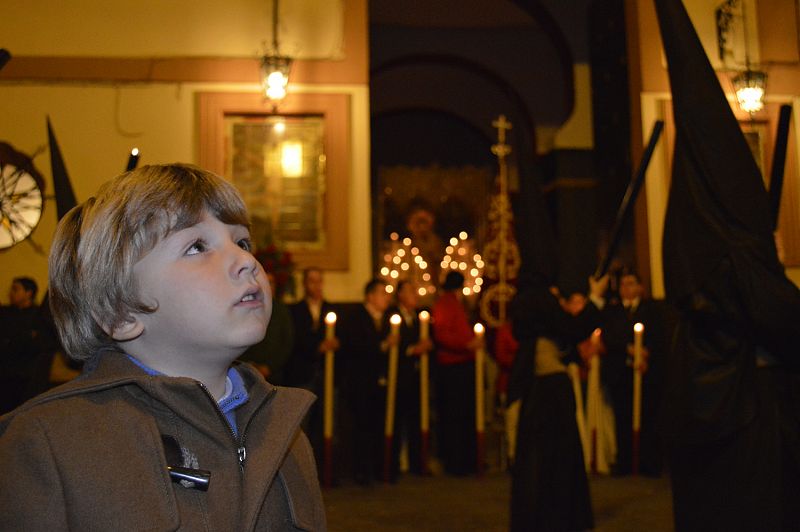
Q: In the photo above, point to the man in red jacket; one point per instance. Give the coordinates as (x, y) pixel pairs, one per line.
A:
(455, 356)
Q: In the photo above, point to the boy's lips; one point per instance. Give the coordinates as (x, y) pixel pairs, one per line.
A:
(253, 295)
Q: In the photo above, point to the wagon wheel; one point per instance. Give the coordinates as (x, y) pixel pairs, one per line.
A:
(21, 200)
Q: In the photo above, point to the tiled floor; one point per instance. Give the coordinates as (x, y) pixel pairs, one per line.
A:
(444, 503)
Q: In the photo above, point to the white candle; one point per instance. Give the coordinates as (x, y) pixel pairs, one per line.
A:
(594, 404)
(480, 356)
(424, 374)
(330, 326)
(391, 387)
(638, 335)
(424, 325)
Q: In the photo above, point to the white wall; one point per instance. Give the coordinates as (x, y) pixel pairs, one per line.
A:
(158, 28)
(97, 125)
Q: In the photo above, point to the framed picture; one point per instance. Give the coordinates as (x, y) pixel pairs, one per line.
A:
(291, 167)
(278, 164)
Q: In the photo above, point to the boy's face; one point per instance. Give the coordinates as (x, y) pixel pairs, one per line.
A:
(213, 299)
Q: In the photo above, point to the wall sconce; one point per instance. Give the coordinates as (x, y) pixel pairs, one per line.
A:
(750, 87)
(274, 66)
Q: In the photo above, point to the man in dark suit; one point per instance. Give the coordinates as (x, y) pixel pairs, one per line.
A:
(305, 367)
(25, 346)
(407, 407)
(617, 373)
(365, 344)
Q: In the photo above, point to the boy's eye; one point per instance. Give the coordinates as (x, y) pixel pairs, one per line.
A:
(246, 244)
(198, 246)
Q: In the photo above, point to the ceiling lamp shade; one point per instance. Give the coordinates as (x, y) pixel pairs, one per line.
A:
(274, 66)
(275, 76)
(750, 86)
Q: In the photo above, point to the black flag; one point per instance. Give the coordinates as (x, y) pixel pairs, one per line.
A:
(5, 57)
(65, 198)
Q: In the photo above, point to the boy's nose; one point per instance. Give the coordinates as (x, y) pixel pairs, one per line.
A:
(245, 263)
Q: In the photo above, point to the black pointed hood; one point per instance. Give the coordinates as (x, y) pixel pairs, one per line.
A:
(534, 232)
(718, 203)
(721, 267)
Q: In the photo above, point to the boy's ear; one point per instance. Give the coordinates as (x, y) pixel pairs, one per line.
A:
(128, 329)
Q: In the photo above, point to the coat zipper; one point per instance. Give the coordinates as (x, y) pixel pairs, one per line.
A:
(241, 450)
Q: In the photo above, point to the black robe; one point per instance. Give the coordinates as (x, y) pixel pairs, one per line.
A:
(734, 427)
(549, 487)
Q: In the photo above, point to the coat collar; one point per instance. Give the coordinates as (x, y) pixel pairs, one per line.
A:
(184, 396)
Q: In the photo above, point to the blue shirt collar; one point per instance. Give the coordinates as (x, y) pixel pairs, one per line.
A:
(235, 392)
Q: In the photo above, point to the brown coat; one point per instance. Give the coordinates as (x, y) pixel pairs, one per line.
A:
(89, 456)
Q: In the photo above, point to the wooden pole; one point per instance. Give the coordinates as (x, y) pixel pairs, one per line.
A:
(480, 357)
(628, 200)
(327, 474)
(391, 393)
(638, 333)
(424, 379)
(779, 162)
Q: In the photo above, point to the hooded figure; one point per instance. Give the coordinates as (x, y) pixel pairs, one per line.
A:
(549, 488)
(733, 434)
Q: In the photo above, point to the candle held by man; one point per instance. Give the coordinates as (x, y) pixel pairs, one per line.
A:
(391, 394)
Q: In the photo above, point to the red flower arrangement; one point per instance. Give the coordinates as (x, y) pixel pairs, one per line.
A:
(278, 262)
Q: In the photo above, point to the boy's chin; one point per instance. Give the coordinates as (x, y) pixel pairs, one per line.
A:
(253, 339)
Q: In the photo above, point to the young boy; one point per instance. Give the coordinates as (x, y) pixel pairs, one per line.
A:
(152, 284)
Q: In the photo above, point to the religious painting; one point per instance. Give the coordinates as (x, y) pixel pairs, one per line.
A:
(291, 167)
(432, 214)
(278, 164)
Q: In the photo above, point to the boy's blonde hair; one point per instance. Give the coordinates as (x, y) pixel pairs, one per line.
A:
(97, 244)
